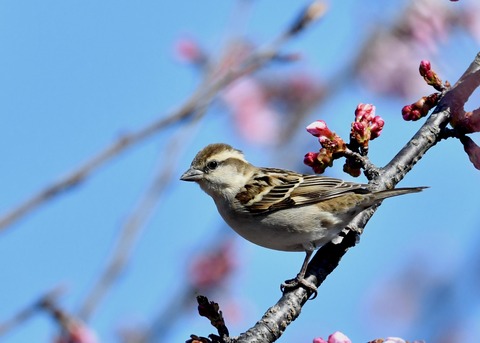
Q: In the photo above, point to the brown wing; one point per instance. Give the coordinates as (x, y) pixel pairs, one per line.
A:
(274, 189)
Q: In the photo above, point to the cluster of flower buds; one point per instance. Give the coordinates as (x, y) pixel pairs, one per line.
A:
(331, 144)
(430, 77)
(420, 108)
(367, 126)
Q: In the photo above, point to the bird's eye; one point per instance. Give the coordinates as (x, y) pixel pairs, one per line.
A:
(212, 165)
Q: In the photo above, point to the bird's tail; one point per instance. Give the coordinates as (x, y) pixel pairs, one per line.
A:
(397, 191)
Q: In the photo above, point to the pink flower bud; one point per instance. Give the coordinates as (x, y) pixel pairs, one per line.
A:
(319, 161)
(376, 127)
(360, 133)
(324, 141)
(338, 337)
(310, 158)
(410, 112)
(319, 340)
(359, 128)
(319, 128)
(430, 77)
(425, 66)
(420, 108)
(364, 112)
(406, 112)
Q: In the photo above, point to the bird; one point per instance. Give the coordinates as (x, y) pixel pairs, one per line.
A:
(281, 209)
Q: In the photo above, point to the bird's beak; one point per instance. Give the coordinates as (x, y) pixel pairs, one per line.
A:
(192, 175)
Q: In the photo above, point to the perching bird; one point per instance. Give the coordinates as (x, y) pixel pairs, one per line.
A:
(280, 209)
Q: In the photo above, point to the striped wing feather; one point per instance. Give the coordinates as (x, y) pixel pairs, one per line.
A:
(282, 190)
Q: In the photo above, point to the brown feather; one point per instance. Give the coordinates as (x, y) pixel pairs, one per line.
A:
(289, 189)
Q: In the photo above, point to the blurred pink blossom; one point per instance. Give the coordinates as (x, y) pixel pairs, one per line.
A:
(77, 333)
(385, 64)
(212, 268)
(255, 120)
(188, 50)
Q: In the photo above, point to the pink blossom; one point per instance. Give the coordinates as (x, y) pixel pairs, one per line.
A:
(376, 127)
(319, 128)
(319, 340)
(254, 118)
(211, 268)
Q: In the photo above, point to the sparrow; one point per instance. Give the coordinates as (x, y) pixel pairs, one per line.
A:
(281, 209)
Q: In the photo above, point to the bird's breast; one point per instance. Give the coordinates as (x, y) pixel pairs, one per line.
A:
(287, 230)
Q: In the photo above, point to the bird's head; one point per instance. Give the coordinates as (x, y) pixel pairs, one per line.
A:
(220, 170)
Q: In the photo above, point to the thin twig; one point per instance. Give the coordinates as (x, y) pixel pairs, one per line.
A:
(30, 310)
(135, 223)
(201, 98)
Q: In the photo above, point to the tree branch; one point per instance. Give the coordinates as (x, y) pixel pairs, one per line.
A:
(287, 309)
(198, 101)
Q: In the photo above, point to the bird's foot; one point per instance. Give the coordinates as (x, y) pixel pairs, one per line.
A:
(300, 281)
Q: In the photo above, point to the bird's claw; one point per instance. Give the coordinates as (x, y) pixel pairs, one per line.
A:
(300, 282)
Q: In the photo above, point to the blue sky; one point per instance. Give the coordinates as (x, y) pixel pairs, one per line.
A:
(75, 75)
